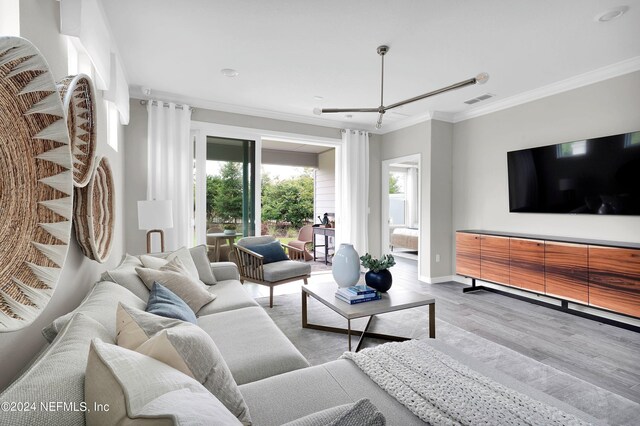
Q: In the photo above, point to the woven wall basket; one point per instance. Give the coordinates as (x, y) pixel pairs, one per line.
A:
(36, 184)
(80, 105)
(94, 213)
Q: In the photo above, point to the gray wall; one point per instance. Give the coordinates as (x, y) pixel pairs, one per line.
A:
(39, 20)
(480, 145)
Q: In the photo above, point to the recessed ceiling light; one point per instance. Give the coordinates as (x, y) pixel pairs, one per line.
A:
(611, 14)
(318, 98)
(229, 72)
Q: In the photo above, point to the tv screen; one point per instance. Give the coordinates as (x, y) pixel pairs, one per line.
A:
(592, 176)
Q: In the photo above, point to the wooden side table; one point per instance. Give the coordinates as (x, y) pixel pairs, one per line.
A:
(219, 238)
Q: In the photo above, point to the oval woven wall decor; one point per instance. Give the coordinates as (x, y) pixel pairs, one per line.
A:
(36, 184)
(94, 213)
(79, 103)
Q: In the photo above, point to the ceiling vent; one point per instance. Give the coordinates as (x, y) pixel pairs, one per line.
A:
(479, 99)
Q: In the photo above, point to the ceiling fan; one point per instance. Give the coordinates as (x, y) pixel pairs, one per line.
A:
(382, 50)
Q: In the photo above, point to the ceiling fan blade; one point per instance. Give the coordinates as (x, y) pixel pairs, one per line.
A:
(332, 110)
(455, 86)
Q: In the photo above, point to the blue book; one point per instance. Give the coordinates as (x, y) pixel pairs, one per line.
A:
(353, 302)
(346, 294)
(361, 289)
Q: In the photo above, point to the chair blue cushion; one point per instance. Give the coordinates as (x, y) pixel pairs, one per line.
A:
(166, 303)
(272, 252)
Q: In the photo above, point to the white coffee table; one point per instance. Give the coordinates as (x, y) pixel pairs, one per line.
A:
(396, 299)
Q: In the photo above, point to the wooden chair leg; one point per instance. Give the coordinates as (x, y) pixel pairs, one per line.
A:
(241, 281)
(271, 296)
(304, 280)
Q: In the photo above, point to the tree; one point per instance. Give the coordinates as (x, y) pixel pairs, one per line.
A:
(394, 187)
(289, 200)
(227, 203)
(213, 191)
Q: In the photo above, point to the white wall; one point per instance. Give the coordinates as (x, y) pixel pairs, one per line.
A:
(324, 191)
(39, 20)
(480, 146)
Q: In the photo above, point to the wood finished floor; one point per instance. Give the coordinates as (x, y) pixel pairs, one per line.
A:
(591, 365)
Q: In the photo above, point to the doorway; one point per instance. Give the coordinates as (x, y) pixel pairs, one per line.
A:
(401, 207)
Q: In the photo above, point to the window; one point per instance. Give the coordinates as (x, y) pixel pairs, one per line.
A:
(632, 139)
(571, 149)
(113, 121)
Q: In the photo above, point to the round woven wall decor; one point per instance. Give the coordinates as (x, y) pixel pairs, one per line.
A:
(79, 103)
(94, 213)
(36, 184)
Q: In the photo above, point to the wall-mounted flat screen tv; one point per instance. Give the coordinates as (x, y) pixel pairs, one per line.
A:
(591, 176)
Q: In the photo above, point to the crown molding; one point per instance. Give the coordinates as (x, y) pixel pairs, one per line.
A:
(601, 74)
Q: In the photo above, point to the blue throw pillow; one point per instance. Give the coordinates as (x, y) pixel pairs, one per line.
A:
(272, 252)
(166, 303)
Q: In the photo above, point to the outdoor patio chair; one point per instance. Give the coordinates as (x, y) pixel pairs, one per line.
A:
(305, 238)
(262, 260)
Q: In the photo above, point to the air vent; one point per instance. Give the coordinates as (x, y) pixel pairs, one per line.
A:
(479, 99)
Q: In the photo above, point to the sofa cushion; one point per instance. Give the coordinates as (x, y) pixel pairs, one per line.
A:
(165, 303)
(201, 260)
(125, 275)
(251, 344)
(271, 252)
(192, 291)
(189, 349)
(198, 262)
(183, 254)
(141, 390)
(100, 304)
(134, 326)
(284, 270)
(362, 413)
(57, 375)
(231, 295)
(225, 271)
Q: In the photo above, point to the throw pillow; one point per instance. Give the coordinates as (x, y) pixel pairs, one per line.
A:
(165, 303)
(138, 389)
(272, 252)
(203, 265)
(155, 262)
(361, 413)
(134, 326)
(125, 275)
(191, 291)
(191, 350)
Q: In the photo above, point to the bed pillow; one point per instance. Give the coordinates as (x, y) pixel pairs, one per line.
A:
(175, 278)
(165, 303)
(137, 387)
(272, 252)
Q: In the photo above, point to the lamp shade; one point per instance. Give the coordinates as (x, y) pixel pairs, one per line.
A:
(155, 214)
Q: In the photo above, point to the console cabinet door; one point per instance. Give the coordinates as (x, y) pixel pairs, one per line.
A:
(614, 279)
(526, 266)
(566, 271)
(494, 259)
(468, 254)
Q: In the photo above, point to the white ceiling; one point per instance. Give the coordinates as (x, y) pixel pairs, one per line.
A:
(288, 51)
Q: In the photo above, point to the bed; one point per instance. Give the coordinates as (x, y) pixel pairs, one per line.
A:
(406, 238)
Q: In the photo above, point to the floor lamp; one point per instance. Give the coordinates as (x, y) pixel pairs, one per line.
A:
(154, 216)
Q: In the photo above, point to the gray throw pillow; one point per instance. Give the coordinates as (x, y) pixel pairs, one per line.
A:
(174, 277)
(125, 275)
(185, 347)
(362, 413)
(138, 389)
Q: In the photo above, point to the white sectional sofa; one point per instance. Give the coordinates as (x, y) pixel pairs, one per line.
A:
(276, 381)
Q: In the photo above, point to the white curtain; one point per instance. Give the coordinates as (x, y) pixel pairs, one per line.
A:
(170, 166)
(354, 190)
(412, 197)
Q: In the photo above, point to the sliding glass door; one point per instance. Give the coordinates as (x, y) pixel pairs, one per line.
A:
(230, 185)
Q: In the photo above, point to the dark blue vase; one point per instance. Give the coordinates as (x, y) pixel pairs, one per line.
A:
(381, 281)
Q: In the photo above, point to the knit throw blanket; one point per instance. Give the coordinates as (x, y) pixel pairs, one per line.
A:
(441, 391)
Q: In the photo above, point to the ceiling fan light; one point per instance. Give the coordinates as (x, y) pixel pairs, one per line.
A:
(317, 111)
(482, 78)
(378, 125)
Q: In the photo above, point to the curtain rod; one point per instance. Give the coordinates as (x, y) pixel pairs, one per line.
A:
(165, 104)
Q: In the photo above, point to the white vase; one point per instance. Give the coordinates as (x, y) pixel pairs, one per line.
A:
(346, 266)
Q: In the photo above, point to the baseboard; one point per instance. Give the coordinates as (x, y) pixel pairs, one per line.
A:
(436, 280)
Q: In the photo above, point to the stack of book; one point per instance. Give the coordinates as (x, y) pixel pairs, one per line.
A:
(358, 294)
